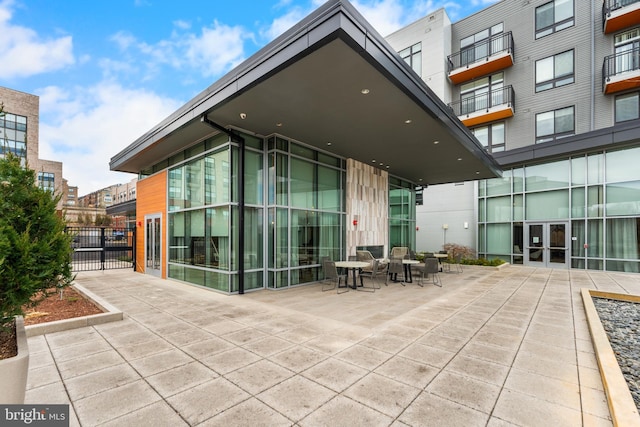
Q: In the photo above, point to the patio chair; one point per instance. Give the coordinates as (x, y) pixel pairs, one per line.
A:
(332, 276)
(399, 252)
(458, 263)
(395, 269)
(431, 267)
(372, 273)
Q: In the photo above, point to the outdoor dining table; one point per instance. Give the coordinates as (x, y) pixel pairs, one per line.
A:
(407, 263)
(353, 266)
(440, 258)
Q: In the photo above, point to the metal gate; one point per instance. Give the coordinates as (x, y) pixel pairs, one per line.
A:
(102, 248)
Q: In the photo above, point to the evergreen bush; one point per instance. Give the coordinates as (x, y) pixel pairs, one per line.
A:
(35, 251)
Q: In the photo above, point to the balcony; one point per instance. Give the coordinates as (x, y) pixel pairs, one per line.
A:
(619, 14)
(482, 58)
(621, 71)
(486, 107)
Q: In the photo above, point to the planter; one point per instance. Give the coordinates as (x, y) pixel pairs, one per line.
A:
(14, 370)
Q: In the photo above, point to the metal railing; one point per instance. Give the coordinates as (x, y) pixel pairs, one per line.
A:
(102, 248)
(609, 6)
(619, 63)
(481, 50)
(484, 101)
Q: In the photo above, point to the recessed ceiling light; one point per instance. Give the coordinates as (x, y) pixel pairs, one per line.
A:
(420, 180)
(387, 166)
(436, 142)
(328, 143)
(365, 91)
(459, 158)
(243, 116)
(373, 161)
(407, 121)
(279, 125)
(477, 172)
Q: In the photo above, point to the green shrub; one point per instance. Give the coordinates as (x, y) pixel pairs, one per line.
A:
(35, 251)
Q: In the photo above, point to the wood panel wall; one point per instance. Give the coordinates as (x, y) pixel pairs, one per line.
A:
(367, 194)
(151, 198)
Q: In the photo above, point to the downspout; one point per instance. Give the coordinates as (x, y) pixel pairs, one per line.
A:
(241, 143)
(592, 94)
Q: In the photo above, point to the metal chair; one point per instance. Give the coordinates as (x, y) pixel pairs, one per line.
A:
(331, 275)
(372, 273)
(458, 263)
(431, 267)
(398, 252)
(395, 268)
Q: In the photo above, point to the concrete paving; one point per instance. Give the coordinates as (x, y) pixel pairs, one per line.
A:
(492, 347)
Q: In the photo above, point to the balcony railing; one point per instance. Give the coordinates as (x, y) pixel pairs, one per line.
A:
(609, 6)
(485, 101)
(620, 63)
(481, 51)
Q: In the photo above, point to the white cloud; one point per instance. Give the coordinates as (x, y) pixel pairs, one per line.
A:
(24, 53)
(217, 49)
(85, 127)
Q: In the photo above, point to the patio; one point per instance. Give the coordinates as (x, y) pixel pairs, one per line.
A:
(492, 347)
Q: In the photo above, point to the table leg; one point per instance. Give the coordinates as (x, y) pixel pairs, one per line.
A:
(407, 273)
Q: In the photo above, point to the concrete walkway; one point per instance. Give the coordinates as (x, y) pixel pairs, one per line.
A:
(490, 348)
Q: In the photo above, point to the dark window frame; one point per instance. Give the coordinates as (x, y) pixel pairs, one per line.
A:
(556, 25)
(564, 80)
(555, 135)
(615, 106)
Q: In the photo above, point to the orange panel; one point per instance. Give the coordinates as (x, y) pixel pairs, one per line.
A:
(619, 86)
(486, 118)
(479, 69)
(151, 198)
(622, 21)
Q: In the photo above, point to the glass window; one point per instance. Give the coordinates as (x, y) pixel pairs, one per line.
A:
(547, 205)
(491, 137)
(627, 107)
(623, 199)
(481, 44)
(622, 165)
(46, 181)
(329, 193)
(413, 56)
(622, 238)
(547, 176)
(499, 239)
(518, 208)
(13, 131)
(578, 202)
(497, 186)
(554, 71)
(552, 125)
(253, 178)
(553, 16)
(595, 201)
(578, 170)
(302, 183)
(499, 209)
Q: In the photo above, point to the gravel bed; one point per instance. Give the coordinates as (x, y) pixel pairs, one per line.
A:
(621, 321)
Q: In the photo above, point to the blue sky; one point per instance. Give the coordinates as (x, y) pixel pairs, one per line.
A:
(107, 72)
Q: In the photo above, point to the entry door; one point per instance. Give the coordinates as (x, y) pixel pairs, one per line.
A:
(547, 244)
(153, 244)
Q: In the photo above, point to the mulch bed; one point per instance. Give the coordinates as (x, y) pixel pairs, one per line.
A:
(72, 304)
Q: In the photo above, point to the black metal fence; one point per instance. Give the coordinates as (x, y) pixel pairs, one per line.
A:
(102, 248)
(481, 51)
(484, 101)
(621, 62)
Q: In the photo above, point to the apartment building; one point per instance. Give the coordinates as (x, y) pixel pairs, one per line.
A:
(552, 90)
(19, 134)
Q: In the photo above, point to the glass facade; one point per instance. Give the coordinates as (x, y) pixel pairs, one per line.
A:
(402, 213)
(597, 195)
(293, 216)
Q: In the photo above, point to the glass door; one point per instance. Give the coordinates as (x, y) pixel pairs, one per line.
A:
(547, 244)
(153, 244)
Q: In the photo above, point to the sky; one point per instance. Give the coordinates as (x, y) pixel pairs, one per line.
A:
(107, 72)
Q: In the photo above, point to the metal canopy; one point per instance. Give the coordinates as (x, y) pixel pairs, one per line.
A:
(308, 85)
